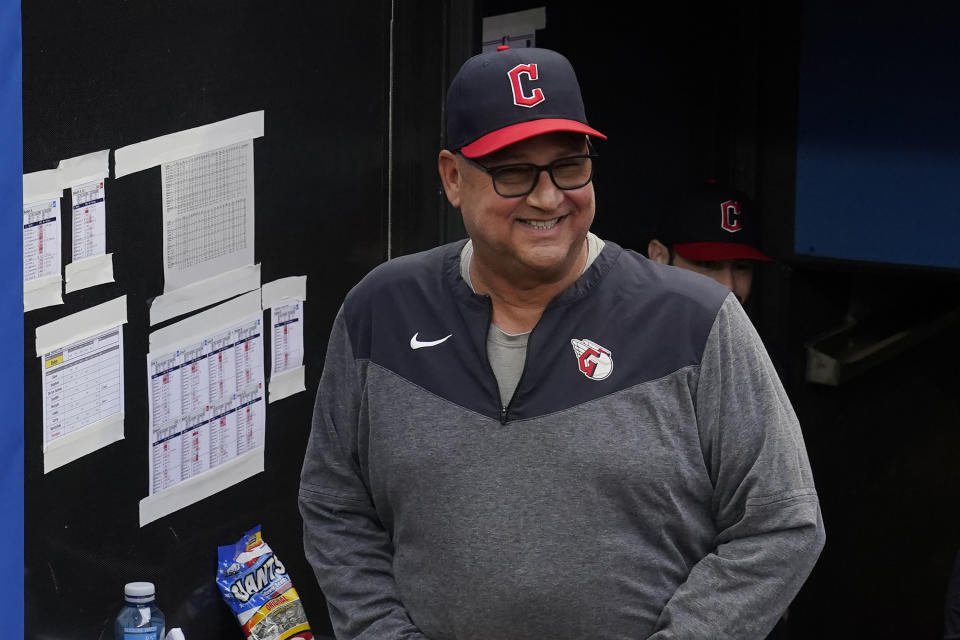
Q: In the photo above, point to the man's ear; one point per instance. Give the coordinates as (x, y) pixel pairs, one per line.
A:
(450, 176)
(658, 252)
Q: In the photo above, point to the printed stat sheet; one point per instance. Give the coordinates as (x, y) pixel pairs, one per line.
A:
(82, 384)
(206, 402)
(208, 216)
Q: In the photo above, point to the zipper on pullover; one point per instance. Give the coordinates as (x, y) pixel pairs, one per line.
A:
(486, 357)
(505, 414)
(505, 408)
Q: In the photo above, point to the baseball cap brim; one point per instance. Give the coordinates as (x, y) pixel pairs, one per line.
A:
(496, 140)
(708, 251)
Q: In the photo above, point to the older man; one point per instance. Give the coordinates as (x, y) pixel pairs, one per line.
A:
(538, 434)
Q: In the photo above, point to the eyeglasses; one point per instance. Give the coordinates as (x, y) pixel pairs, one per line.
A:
(516, 180)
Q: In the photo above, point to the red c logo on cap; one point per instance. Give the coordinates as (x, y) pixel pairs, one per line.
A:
(730, 216)
(519, 97)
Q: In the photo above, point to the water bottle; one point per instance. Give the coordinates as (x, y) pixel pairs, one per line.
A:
(139, 619)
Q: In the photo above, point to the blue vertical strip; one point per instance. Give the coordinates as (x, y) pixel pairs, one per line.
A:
(11, 318)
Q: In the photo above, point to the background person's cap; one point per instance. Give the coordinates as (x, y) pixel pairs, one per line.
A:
(508, 95)
(712, 223)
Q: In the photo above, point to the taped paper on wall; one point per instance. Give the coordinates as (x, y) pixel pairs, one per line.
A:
(89, 237)
(206, 402)
(207, 182)
(284, 298)
(208, 216)
(42, 280)
(287, 343)
(286, 371)
(190, 142)
(82, 380)
(85, 177)
(41, 254)
(91, 265)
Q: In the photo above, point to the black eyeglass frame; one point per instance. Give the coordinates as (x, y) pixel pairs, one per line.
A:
(490, 171)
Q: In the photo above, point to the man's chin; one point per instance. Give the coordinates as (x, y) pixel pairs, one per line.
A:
(552, 266)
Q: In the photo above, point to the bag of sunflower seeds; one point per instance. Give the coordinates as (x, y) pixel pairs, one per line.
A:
(256, 587)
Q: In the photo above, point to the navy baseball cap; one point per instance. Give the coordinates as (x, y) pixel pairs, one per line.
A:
(712, 223)
(508, 95)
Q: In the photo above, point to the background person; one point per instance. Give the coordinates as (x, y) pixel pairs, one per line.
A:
(712, 230)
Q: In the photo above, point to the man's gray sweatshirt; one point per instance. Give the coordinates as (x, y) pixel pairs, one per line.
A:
(648, 478)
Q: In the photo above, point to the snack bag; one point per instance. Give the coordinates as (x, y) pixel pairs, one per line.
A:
(255, 584)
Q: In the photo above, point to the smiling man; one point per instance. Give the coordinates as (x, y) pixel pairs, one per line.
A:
(538, 434)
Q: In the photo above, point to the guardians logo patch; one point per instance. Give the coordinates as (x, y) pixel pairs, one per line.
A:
(595, 362)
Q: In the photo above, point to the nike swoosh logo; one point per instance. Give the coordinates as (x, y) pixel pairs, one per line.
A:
(417, 344)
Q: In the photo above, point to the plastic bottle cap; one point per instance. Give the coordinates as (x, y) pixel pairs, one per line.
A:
(139, 590)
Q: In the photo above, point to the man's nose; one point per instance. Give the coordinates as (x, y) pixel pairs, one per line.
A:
(545, 194)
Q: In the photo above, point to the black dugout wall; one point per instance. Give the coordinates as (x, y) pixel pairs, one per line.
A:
(108, 74)
(345, 177)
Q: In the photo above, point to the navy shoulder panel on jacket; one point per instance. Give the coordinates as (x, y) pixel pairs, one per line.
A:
(639, 321)
(401, 285)
(674, 306)
(416, 316)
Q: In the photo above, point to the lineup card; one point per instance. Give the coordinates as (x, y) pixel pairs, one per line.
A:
(285, 299)
(41, 239)
(287, 343)
(206, 402)
(89, 235)
(82, 384)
